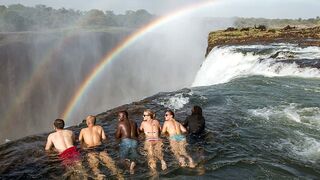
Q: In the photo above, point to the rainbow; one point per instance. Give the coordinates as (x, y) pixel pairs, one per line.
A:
(88, 81)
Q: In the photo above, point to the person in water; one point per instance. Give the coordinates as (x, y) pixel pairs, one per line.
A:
(177, 139)
(91, 138)
(153, 144)
(128, 132)
(63, 142)
(195, 123)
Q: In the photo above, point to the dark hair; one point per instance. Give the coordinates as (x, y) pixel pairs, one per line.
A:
(171, 113)
(124, 112)
(59, 123)
(197, 110)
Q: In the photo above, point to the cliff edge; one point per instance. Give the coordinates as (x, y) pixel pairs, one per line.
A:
(262, 35)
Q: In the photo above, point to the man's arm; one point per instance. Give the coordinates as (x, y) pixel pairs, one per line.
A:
(49, 143)
(103, 135)
(118, 132)
(73, 137)
(137, 129)
(81, 136)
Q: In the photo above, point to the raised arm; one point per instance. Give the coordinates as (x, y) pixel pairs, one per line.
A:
(49, 143)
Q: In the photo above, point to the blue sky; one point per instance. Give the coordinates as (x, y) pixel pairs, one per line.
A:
(223, 8)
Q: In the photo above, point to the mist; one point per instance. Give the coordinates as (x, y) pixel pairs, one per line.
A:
(165, 59)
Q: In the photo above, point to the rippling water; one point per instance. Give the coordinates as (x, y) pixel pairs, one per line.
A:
(258, 126)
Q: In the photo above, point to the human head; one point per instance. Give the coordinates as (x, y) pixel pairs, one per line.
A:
(148, 113)
(91, 120)
(197, 110)
(123, 115)
(168, 114)
(58, 124)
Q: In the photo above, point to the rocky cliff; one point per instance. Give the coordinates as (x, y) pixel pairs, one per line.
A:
(262, 35)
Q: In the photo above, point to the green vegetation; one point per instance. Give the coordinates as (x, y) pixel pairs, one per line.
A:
(15, 18)
(262, 35)
(276, 23)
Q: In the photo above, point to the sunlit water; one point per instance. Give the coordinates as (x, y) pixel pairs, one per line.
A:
(259, 125)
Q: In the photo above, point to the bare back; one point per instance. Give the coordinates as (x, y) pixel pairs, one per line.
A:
(127, 129)
(61, 140)
(173, 127)
(92, 136)
(151, 128)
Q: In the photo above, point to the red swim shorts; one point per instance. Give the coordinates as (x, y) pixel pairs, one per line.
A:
(69, 156)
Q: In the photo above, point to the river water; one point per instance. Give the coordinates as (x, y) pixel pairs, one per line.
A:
(262, 109)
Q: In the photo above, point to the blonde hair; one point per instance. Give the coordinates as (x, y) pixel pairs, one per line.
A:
(151, 113)
(92, 118)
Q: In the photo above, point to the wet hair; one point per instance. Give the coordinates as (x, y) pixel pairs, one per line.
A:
(196, 110)
(59, 123)
(171, 113)
(151, 113)
(93, 117)
(124, 112)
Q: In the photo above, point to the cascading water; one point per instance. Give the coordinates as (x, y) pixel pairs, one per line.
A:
(226, 63)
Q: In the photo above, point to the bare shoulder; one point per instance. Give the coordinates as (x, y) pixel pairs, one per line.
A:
(83, 129)
(68, 131)
(120, 123)
(178, 123)
(51, 135)
(100, 128)
(165, 123)
(157, 122)
(142, 123)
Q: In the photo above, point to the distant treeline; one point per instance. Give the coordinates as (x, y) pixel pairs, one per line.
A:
(21, 18)
(276, 23)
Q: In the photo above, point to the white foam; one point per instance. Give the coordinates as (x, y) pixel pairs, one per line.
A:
(301, 146)
(292, 112)
(175, 102)
(225, 63)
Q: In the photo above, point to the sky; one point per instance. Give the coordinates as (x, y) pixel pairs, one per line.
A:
(223, 8)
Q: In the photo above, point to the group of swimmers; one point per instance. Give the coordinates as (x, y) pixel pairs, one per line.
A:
(128, 132)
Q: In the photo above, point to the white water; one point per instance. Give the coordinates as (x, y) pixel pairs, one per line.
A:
(175, 102)
(292, 112)
(226, 63)
(300, 145)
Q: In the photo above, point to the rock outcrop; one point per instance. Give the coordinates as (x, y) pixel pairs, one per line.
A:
(262, 35)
